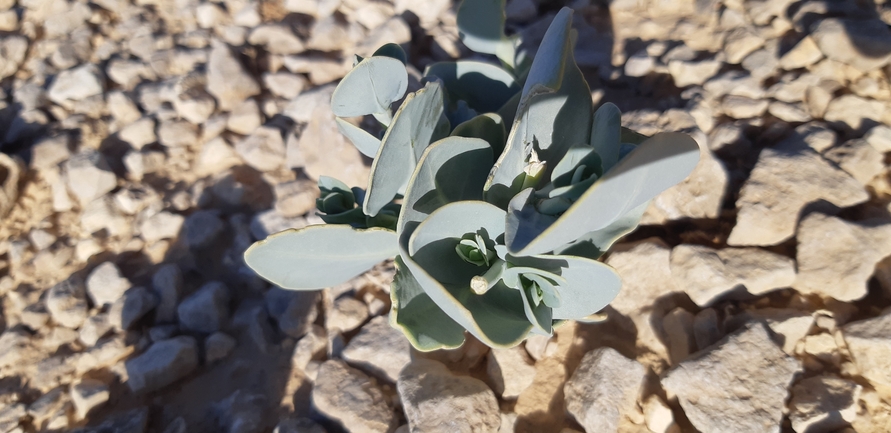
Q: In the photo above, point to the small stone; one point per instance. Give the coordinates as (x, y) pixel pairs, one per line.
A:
(658, 416)
(88, 394)
(686, 73)
(102, 215)
(227, 79)
(870, 347)
(378, 349)
(276, 39)
(879, 137)
(802, 55)
(139, 133)
(432, 396)
(862, 161)
(162, 364)
(700, 195)
(243, 412)
(347, 314)
(88, 176)
(94, 328)
(706, 330)
(510, 371)
(295, 198)
(13, 49)
(244, 118)
(218, 346)
(781, 184)
(49, 152)
(678, 325)
(206, 310)
(863, 44)
(639, 64)
(141, 163)
(105, 284)
(76, 84)
(823, 347)
(131, 307)
(823, 403)
(741, 107)
(14, 345)
(295, 311)
(216, 156)
(741, 42)
(67, 303)
(739, 385)
(350, 398)
(167, 282)
(707, 274)
(264, 149)
(792, 325)
(162, 225)
(816, 135)
(284, 84)
(162, 332)
(177, 133)
(788, 112)
(202, 229)
(852, 110)
(604, 389)
(254, 320)
(313, 346)
(836, 258)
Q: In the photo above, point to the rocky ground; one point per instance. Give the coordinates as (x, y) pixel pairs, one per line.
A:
(146, 145)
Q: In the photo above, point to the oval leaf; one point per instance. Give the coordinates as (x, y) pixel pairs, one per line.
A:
(654, 166)
(481, 25)
(606, 134)
(365, 142)
(456, 219)
(319, 256)
(374, 84)
(393, 51)
(402, 146)
(425, 325)
(487, 126)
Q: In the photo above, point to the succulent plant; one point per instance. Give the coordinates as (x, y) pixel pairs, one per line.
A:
(495, 187)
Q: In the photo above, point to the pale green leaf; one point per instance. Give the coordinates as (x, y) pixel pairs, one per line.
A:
(365, 142)
(455, 220)
(606, 133)
(481, 25)
(485, 87)
(370, 87)
(487, 126)
(425, 325)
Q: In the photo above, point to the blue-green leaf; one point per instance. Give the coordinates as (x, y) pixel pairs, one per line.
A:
(456, 219)
(365, 142)
(481, 25)
(487, 126)
(319, 256)
(374, 84)
(402, 146)
(425, 325)
(485, 87)
(393, 51)
(606, 134)
(593, 244)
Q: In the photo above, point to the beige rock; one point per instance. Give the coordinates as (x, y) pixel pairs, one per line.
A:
(658, 416)
(678, 325)
(87, 395)
(870, 346)
(351, 398)
(852, 110)
(879, 137)
(783, 181)
(393, 31)
(862, 161)
(510, 371)
(162, 364)
(379, 349)
(276, 39)
(244, 118)
(706, 274)
(227, 79)
(741, 42)
(802, 55)
(700, 195)
(792, 325)
(604, 389)
(823, 403)
(686, 73)
(863, 44)
(264, 149)
(740, 107)
(789, 112)
(738, 386)
(823, 347)
(88, 176)
(435, 399)
(836, 258)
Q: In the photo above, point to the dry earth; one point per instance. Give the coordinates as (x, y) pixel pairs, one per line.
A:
(147, 144)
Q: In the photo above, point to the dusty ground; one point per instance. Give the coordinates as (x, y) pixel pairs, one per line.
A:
(147, 144)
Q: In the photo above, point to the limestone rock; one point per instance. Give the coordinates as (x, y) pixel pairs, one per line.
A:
(295, 311)
(435, 399)
(862, 161)
(162, 225)
(130, 307)
(202, 229)
(12, 53)
(162, 364)
(88, 176)
(823, 403)
(94, 328)
(706, 273)
(276, 39)
(87, 395)
(346, 314)
(870, 346)
(686, 73)
(76, 84)
(206, 310)
(781, 184)
(836, 258)
(264, 149)
(853, 110)
(105, 284)
(349, 397)
(741, 107)
(227, 79)
(604, 389)
(863, 44)
(740, 385)
(879, 137)
(314, 344)
(700, 195)
(792, 325)
(379, 349)
(67, 303)
(244, 118)
(218, 346)
(802, 55)
(510, 371)
(284, 84)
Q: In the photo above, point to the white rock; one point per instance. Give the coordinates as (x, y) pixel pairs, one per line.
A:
(105, 284)
(314, 344)
(76, 84)
(321, 70)
(836, 258)
(870, 346)
(862, 161)
(218, 346)
(216, 156)
(132, 306)
(792, 325)
(102, 214)
(264, 149)
(87, 395)
(852, 110)
(803, 54)
(284, 84)
(67, 303)
(244, 118)
(823, 403)
(15, 343)
(738, 386)
(639, 64)
(295, 198)
(781, 184)
(604, 389)
(12, 53)
(378, 349)
(741, 42)
(88, 176)
(706, 330)
(177, 133)
(788, 112)
(735, 83)
(49, 152)
(510, 371)
(276, 39)
(863, 44)
(817, 135)
(433, 397)
(351, 398)
(206, 310)
(94, 328)
(698, 196)
(162, 225)
(658, 416)
(139, 133)
(879, 137)
(162, 364)
(227, 79)
(706, 274)
(346, 314)
(741, 107)
(678, 325)
(686, 73)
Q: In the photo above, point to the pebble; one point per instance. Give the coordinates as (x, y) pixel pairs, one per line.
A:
(510, 371)
(604, 389)
(67, 303)
(346, 314)
(700, 195)
(351, 398)
(863, 44)
(94, 328)
(202, 229)
(139, 133)
(88, 176)
(105, 284)
(862, 161)
(264, 149)
(206, 310)
(276, 39)
(295, 198)
(167, 283)
(739, 385)
(132, 306)
(244, 118)
(378, 349)
(294, 311)
(823, 403)
(284, 84)
(879, 137)
(162, 225)
(218, 346)
(243, 412)
(87, 395)
(162, 364)
(76, 84)
(227, 79)
(687, 73)
(434, 398)
(805, 53)
(854, 111)
(870, 347)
